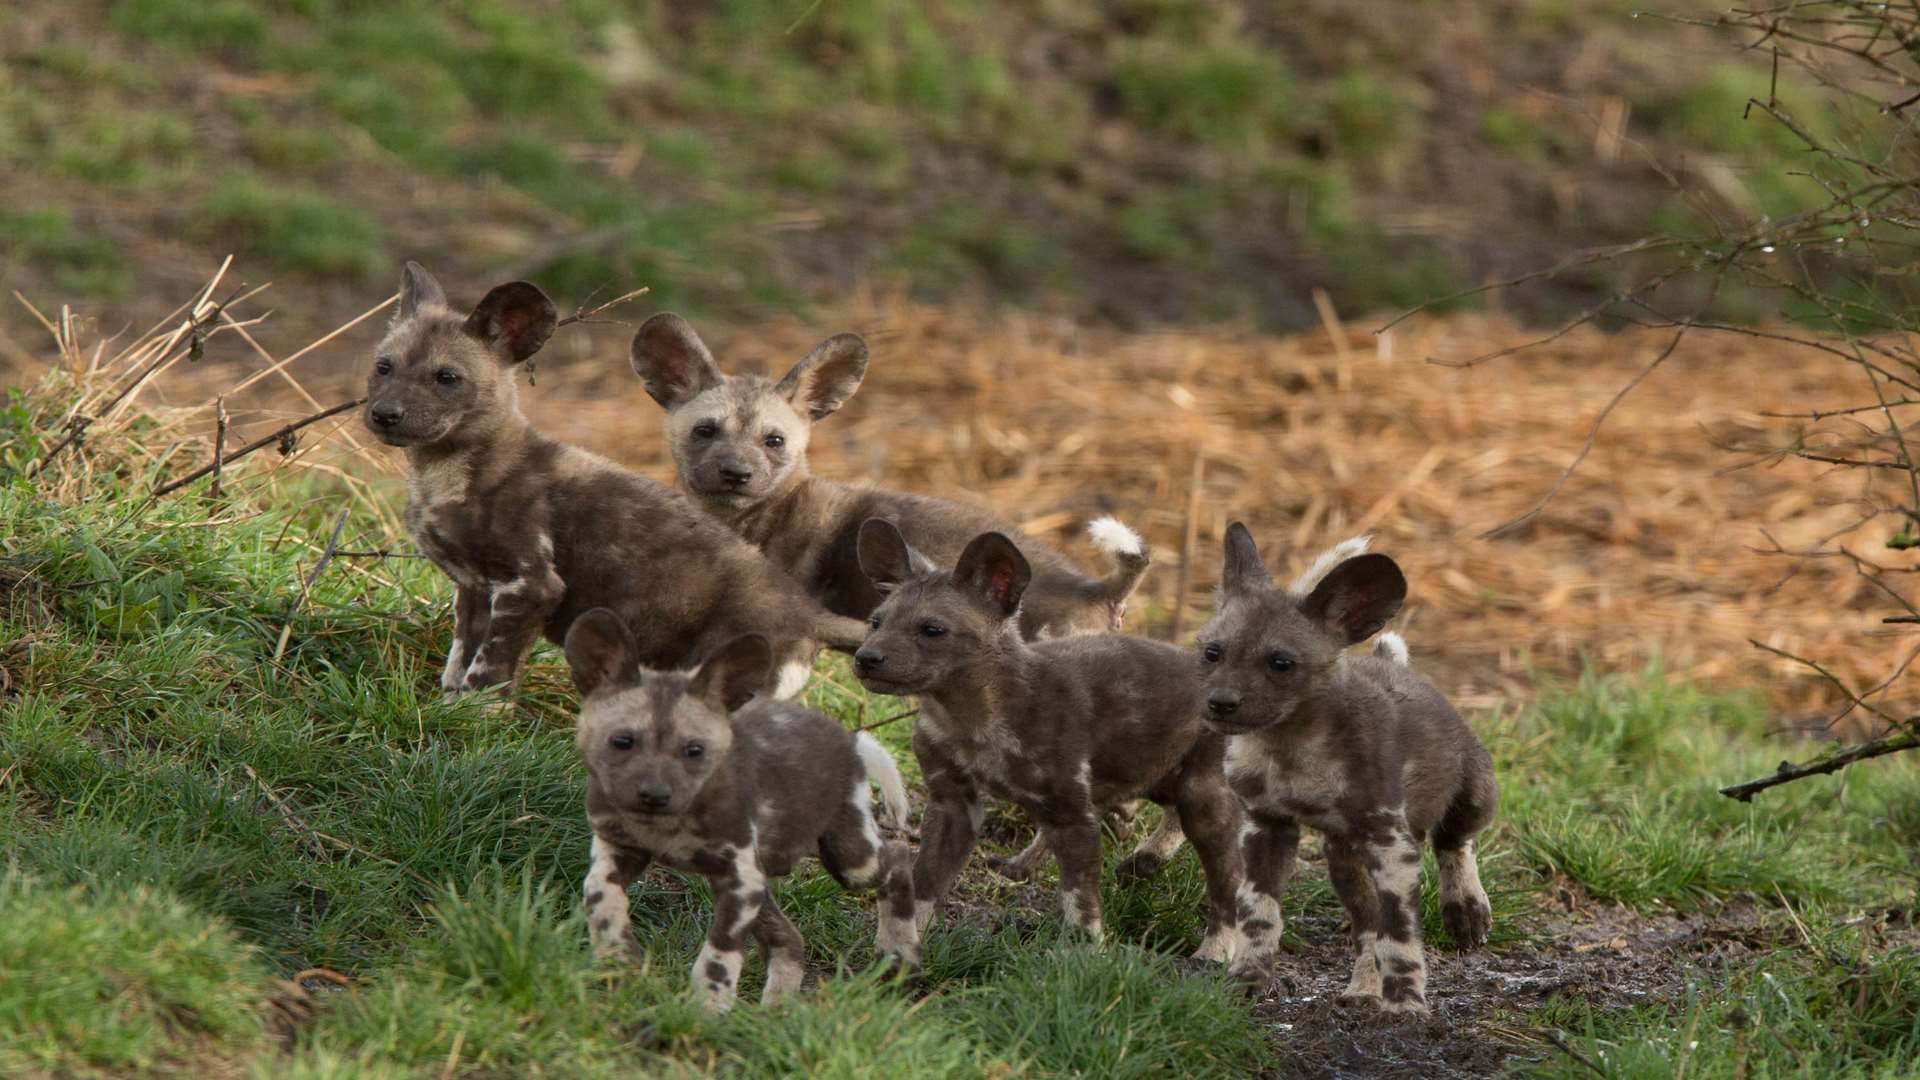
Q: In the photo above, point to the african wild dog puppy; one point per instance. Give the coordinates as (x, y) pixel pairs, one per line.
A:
(705, 774)
(740, 447)
(533, 531)
(1063, 727)
(1355, 745)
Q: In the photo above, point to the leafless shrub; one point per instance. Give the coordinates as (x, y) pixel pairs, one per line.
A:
(1844, 270)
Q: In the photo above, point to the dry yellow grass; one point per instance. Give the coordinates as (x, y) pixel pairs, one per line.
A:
(1655, 546)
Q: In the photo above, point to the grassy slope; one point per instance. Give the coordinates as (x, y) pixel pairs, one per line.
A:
(187, 816)
(1146, 158)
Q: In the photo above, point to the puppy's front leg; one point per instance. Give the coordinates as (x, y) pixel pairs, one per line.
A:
(609, 871)
(516, 612)
(469, 631)
(1393, 860)
(1076, 845)
(738, 897)
(947, 836)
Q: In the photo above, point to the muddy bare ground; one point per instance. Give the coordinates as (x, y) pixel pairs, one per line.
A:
(1481, 1001)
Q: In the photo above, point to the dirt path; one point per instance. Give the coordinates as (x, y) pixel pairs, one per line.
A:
(1482, 1002)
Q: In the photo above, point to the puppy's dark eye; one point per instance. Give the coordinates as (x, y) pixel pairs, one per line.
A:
(874, 621)
(383, 367)
(932, 629)
(1280, 662)
(775, 441)
(705, 431)
(621, 742)
(694, 749)
(447, 377)
(1212, 652)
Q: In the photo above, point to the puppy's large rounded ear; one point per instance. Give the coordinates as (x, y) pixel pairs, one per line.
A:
(516, 318)
(601, 653)
(1243, 571)
(1358, 597)
(671, 360)
(732, 676)
(417, 290)
(992, 568)
(886, 558)
(823, 381)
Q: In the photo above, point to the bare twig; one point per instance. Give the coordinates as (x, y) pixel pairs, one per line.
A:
(1789, 772)
(891, 719)
(319, 839)
(278, 436)
(1592, 434)
(219, 443)
(333, 544)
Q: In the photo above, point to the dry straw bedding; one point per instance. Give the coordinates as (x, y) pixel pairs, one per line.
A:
(1655, 546)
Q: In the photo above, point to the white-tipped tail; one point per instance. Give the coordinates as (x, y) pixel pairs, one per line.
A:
(1391, 646)
(1330, 558)
(882, 770)
(1111, 535)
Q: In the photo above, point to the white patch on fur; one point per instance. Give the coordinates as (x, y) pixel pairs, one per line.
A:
(1070, 908)
(717, 997)
(882, 770)
(1112, 536)
(507, 590)
(792, 680)
(613, 902)
(1460, 876)
(1165, 840)
(752, 883)
(1391, 647)
(1365, 981)
(863, 874)
(1313, 776)
(784, 974)
(1394, 873)
(454, 675)
(1256, 945)
(1330, 558)
(922, 915)
(898, 937)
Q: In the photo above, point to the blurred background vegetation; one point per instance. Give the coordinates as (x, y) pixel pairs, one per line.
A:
(1135, 161)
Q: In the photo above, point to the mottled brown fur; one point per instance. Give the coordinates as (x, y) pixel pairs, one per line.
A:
(739, 446)
(708, 775)
(1062, 728)
(533, 531)
(1358, 746)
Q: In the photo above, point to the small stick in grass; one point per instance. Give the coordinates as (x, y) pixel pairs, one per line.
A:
(1187, 538)
(283, 435)
(219, 443)
(333, 544)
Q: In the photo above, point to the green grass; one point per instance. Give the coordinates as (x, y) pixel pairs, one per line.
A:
(187, 816)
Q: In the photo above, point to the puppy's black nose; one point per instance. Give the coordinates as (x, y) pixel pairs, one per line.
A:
(866, 663)
(387, 414)
(1223, 704)
(736, 475)
(655, 796)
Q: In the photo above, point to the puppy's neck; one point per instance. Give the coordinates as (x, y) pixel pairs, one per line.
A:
(503, 440)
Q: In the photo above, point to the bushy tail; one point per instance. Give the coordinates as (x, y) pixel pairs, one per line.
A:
(1112, 536)
(882, 770)
(1393, 648)
(1330, 558)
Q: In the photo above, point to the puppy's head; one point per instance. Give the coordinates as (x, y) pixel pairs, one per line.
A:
(443, 379)
(932, 623)
(651, 742)
(1267, 651)
(738, 439)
